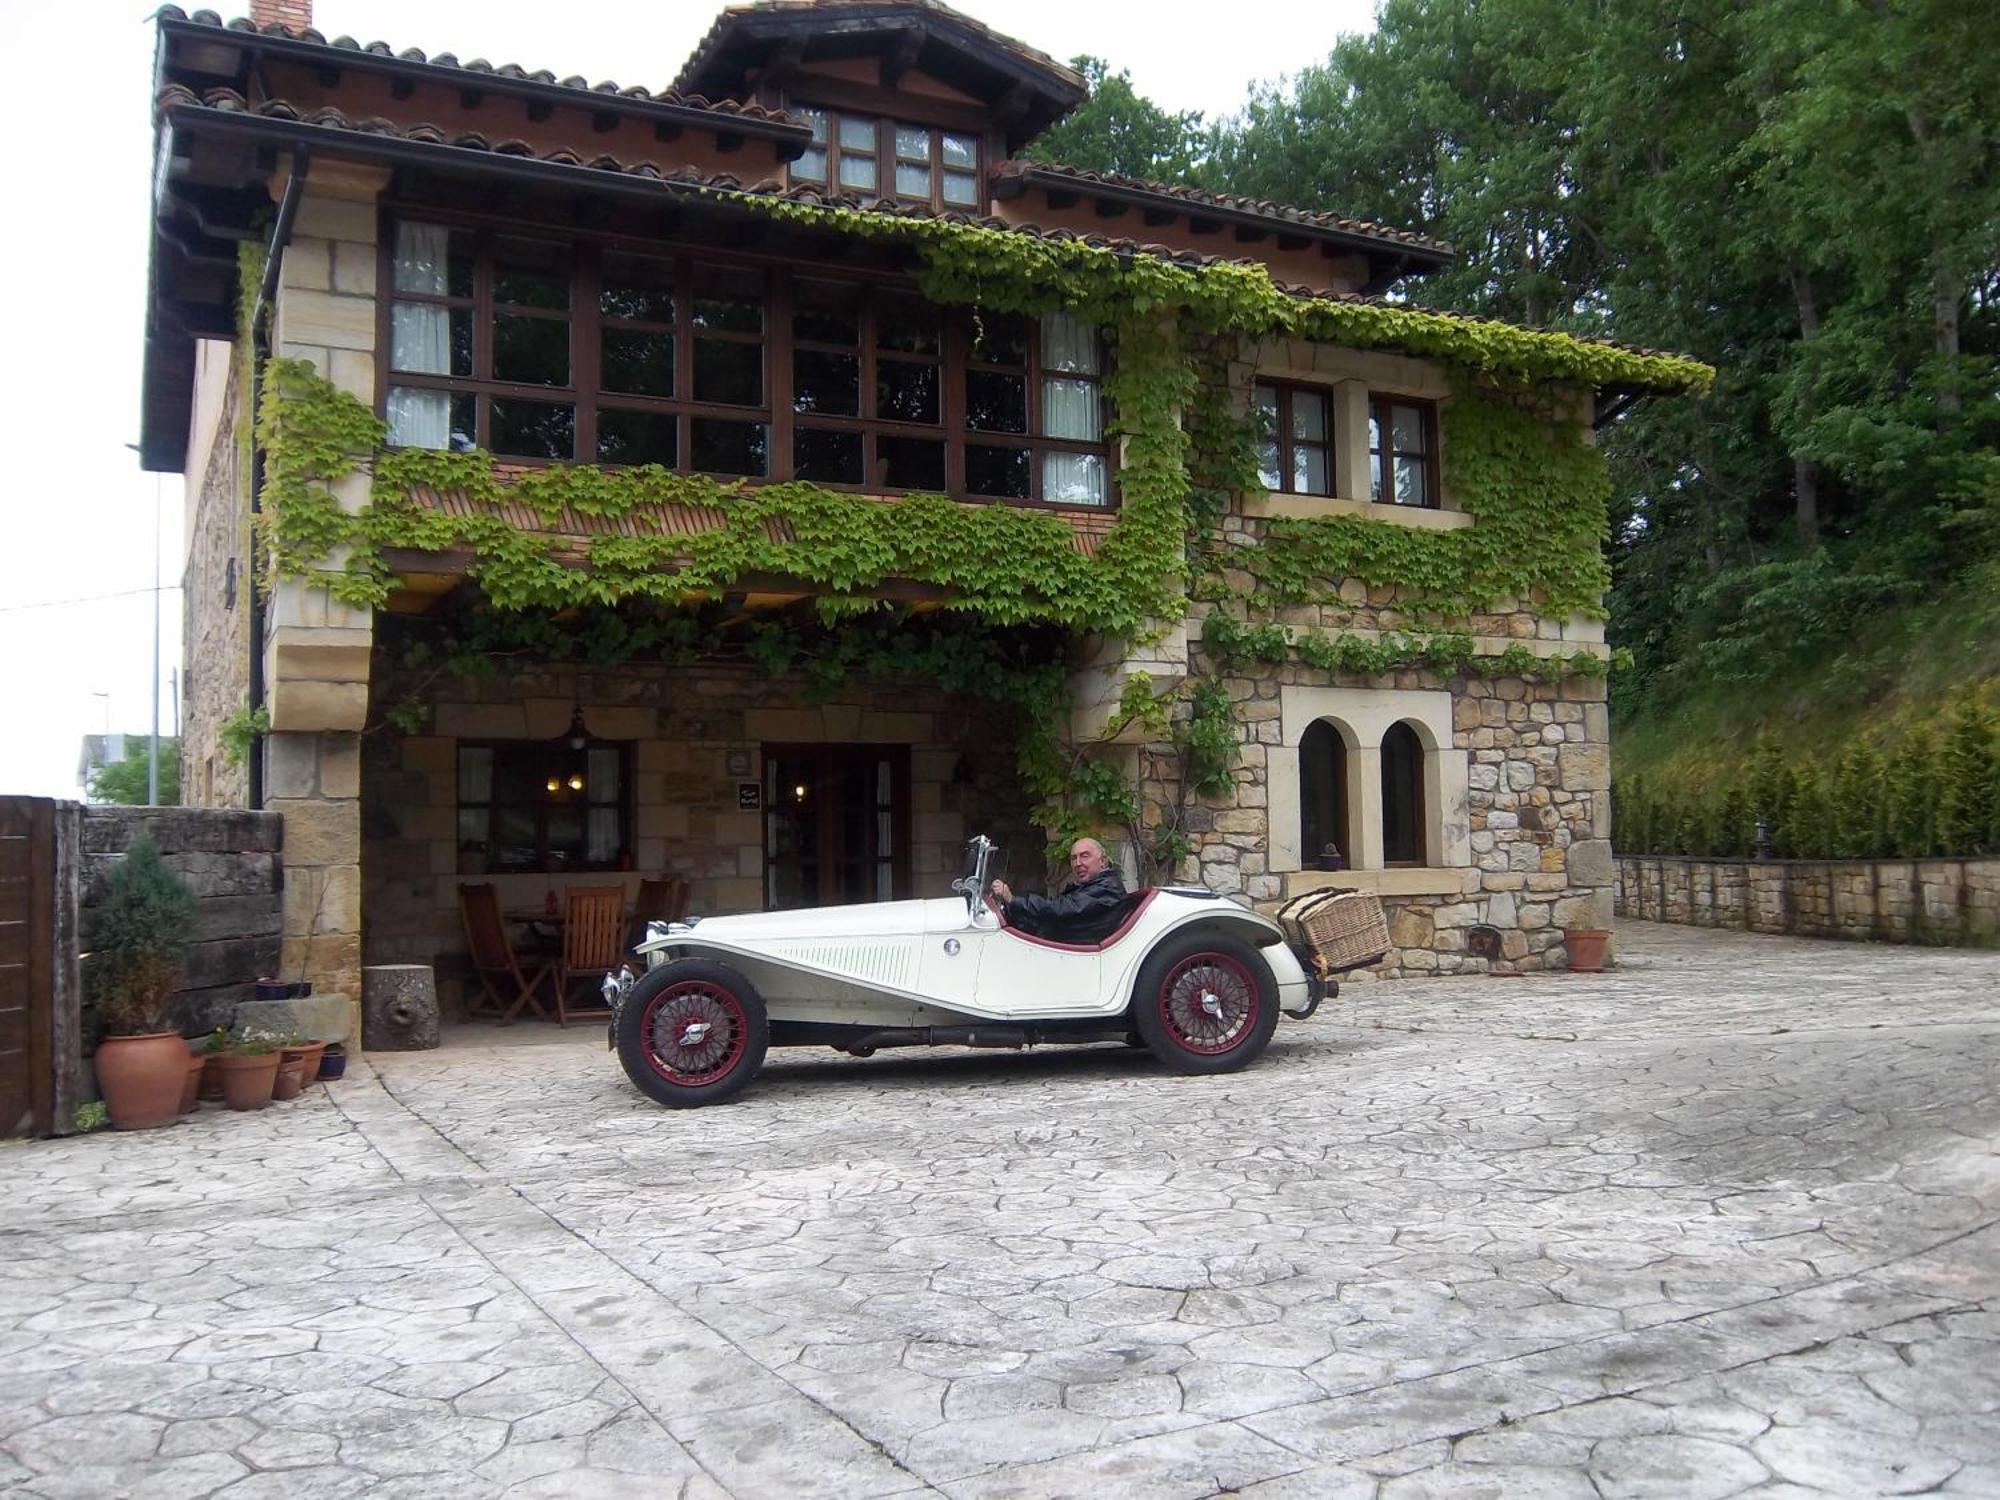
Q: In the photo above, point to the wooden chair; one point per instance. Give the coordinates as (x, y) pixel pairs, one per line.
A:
(591, 935)
(664, 900)
(507, 989)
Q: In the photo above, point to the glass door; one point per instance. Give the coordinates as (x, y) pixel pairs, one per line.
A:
(836, 824)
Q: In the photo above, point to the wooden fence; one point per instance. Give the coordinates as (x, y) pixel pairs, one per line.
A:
(55, 858)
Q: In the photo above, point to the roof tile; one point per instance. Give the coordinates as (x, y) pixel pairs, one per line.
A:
(479, 65)
(1201, 197)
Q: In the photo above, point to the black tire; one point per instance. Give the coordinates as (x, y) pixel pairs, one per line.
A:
(1187, 970)
(721, 1061)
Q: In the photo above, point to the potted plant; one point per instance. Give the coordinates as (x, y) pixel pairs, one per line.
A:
(138, 937)
(249, 1071)
(1329, 857)
(1586, 947)
(197, 1071)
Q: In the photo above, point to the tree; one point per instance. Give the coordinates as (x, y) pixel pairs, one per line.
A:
(1119, 130)
(124, 781)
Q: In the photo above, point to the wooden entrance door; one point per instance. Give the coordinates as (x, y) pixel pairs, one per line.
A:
(28, 965)
(836, 824)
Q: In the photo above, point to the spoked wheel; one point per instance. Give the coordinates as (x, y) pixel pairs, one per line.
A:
(1206, 1002)
(692, 1032)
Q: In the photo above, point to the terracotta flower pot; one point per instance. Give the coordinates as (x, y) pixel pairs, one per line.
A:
(197, 1069)
(290, 1079)
(210, 1091)
(307, 1055)
(247, 1081)
(141, 1078)
(1586, 948)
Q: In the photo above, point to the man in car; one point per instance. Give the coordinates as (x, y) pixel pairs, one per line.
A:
(1079, 913)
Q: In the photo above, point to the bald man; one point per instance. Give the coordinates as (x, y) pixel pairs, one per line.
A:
(1095, 886)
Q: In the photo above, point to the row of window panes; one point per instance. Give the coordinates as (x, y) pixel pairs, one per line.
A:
(1295, 445)
(637, 346)
(856, 144)
(529, 805)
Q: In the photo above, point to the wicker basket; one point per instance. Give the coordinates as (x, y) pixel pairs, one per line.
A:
(1343, 929)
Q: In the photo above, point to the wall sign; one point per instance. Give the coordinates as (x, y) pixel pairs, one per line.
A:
(736, 762)
(749, 796)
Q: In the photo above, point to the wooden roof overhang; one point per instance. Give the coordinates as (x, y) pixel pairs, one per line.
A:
(1391, 254)
(752, 49)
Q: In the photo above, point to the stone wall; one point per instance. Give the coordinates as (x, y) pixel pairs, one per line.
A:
(1891, 900)
(1517, 836)
(231, 860)
(686, 725)
(215, 599)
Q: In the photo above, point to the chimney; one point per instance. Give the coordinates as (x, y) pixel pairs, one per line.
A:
(293, 15)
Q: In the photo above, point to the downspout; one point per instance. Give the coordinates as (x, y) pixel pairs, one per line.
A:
(260, 350)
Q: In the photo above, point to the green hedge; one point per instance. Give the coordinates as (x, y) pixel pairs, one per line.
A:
(1935, 793)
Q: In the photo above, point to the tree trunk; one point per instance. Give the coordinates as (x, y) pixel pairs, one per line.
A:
(1944, 286)
(1805, 473)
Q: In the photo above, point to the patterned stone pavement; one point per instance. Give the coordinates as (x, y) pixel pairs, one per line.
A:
(1720, 1223)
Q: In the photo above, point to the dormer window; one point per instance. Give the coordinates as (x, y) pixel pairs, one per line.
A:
(871, 156)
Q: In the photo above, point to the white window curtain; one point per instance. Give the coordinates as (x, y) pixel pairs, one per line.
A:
(1073, 478)
(420, 338)
(1071, 408)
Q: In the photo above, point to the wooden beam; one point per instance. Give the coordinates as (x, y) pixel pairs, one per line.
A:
(904, 58)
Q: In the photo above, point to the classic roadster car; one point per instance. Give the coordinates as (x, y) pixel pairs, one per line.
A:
(1198, 980)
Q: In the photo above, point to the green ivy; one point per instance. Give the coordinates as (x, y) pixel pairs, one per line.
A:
(1233, 643)
(1536, 489)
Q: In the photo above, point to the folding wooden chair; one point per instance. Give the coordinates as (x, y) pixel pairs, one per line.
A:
(507, 989)
(591, 934)
(664, 900)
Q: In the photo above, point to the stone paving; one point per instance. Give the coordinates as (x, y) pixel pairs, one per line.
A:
(1722, 1222)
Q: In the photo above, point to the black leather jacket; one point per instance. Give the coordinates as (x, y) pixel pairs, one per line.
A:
(1081, 905)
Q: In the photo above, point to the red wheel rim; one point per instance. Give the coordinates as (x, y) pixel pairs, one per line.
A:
(693, 1033)
(1208, 1003)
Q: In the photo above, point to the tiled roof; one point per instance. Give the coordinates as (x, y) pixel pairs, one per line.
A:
(573, 530)
(479, 66)
(735, 15)
(229, 102)
(1053, 174)
(280, 112)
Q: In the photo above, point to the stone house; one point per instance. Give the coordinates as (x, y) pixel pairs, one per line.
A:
(632, 465)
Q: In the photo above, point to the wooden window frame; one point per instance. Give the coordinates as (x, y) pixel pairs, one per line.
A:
(1288, 445)
(886, 156)
(1382, 464)
(1419, 802)
(627, 810)
(901, 812)
(587, 395)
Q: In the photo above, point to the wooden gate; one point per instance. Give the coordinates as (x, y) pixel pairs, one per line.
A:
(37, 967)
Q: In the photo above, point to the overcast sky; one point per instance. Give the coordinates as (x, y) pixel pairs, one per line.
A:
(76, 551)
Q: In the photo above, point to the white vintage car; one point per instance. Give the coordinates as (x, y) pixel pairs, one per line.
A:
(1197, 979)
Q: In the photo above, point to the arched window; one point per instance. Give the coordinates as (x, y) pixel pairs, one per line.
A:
(1323, 795)
(1402, 797)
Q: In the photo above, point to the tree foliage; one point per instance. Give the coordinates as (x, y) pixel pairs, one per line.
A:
(1118, 130)
(124, 780)
(1804, 193)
